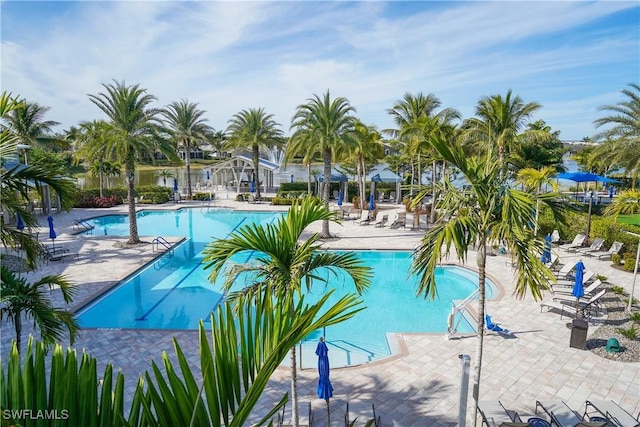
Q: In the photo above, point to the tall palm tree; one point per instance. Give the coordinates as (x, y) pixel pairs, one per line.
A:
(92, 141)
(27, 123)
(256, 130)
(533, 180)
(187, 127)
(284, 261)
(164, 174)
(301, 144)
(624, 121)
(135, 123)
(626, 203)
(20, 298)
(330, 124)
(8, 140)
(489, 209)
(218, 140)
(502, 123)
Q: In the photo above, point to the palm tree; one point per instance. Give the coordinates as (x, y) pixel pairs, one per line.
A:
(8, 140)
(533, 180)
(186, 126)
(135, 124)
(301, 144)
(31, 300)
(27, 123)
(284, 261)
(92, 141)
(218, 140)
(624, 121)
(164, 174)
(254, 129)
(366, 147)
(501, 123)
(330, 124)
(626, 203)
(488, 210)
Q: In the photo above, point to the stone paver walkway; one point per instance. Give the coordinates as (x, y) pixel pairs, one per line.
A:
(417, 388)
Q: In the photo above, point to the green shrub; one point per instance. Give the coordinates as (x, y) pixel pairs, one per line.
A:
(631, 333)
(629, 261)
(618, 290)
(635, 317)
(616, 259)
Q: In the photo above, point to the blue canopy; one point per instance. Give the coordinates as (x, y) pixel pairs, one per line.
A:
(584, 177)
(325, 390)
(335, 177)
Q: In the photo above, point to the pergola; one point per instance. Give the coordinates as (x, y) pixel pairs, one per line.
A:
(238, 170)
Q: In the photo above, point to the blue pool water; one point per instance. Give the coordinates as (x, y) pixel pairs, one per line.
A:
(174, 291)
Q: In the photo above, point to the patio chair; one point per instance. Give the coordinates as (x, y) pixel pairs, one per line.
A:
(595, 247)
(494, 414)
(565, 271)
(400, 220)
(568, 283)
(577, 242)
(555, 237)
(564, 293)
(561, 415)
(568, 305)
(382, 221)
(365, 218)
(611, 411)
(494, 327)
(615, 248)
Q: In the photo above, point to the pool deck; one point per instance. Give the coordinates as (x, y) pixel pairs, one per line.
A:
(419, 387)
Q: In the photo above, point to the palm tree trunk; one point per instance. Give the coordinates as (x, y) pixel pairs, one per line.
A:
(256, 169)
(326, 181)
(309, 178)
(481, 261)
(100, 177)
(295, 418)
(18, 327)
(187, 152)
(360, 181)
(131, 194)
(433, 192)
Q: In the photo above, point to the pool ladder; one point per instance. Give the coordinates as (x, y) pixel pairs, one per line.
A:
(457, 309)
(161, 241)
(82, 225)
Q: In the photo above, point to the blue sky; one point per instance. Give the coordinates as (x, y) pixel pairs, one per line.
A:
(569, 56)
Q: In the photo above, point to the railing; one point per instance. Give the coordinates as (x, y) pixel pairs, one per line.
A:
(161, 241)
(206, 203)
(82, 225)
(456, 310)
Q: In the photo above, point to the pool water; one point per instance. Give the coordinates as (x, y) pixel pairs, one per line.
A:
(174, 291)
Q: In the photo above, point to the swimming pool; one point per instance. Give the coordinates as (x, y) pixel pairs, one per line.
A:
(174, 291)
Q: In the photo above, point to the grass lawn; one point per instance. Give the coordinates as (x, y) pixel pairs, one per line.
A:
(629, 219)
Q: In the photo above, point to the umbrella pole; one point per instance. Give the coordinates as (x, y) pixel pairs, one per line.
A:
(328, 413)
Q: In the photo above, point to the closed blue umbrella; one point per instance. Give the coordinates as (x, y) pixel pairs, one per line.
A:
(19, 222)
(546, 252)
(611, 190)
(578, 286)
(325, 389)
(252, 187)
(371, 204)
(208, 175)
(52, 231)
(340, 197)
(175, 184)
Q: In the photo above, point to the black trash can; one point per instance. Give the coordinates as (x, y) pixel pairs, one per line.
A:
(579, 328)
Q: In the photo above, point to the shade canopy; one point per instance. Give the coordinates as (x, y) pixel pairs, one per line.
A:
(335, 177)
(585, 177)
(388, 177)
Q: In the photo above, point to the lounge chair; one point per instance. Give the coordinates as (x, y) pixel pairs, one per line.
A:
(577, 242)
(365, 218)
(400, 220)
(568, 305)
(494, 327)
(568, 283)
(494, 414)
(555, 237)
(561, 415)
(615, 248)
(595, 247)
(562, 293)
(382, 221)
(611, 411)
(565, 271)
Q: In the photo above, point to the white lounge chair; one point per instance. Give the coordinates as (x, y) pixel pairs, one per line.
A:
(611, 411)
(494, 414)
(565, 293)
(561, 415)
(382, 221)
(615, 248)
(568, 307)
(400, 220)
(577, 242)
(568, 283)
(365, 218)
(595, 247)
(563, 273)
